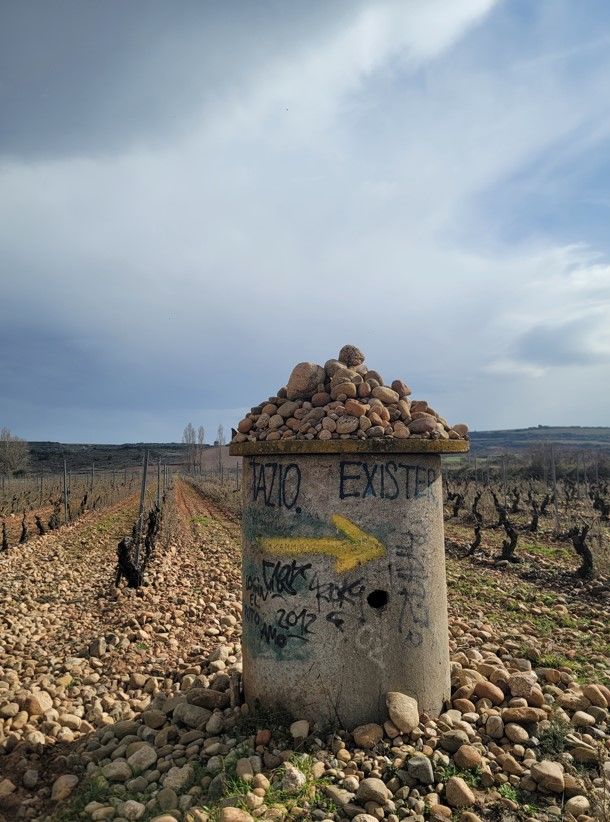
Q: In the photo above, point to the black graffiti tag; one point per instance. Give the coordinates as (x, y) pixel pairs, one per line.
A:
(414, 612)
(300, 622)
(339, 596)
(281, 578)
(277, 485)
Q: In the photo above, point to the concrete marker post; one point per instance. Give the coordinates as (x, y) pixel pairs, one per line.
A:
(344, 585)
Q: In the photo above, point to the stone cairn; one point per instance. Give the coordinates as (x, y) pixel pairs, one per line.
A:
(344, 399)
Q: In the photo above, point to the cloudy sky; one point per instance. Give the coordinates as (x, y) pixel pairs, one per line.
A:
(194, 196)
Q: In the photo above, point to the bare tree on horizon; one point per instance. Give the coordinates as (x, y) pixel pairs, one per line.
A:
(14, 453)
(200, 446)
(189, 438)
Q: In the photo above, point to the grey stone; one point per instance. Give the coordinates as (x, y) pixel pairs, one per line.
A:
(420, 767)
(142, 759)
(453, 740)
(117, 771)
(191, 715)
(167, 799)
(179, 778)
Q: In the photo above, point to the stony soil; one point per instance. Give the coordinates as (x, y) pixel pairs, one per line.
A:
(126, 705)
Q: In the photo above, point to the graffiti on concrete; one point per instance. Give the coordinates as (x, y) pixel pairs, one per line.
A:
(276, 485)
(306, 579)
(412, 574)
(386, 480)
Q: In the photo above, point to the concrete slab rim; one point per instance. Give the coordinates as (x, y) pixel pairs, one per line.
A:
(350, 446)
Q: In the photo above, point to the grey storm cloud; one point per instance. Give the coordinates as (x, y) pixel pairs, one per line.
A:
(80, 78)
(567, 343)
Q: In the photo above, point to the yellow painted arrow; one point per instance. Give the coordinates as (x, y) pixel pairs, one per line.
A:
(355, 548)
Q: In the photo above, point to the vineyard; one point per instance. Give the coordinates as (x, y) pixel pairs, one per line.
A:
(120, 662)
(35, 505)
(516, 519)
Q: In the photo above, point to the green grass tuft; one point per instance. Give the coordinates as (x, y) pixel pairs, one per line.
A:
(553, 739)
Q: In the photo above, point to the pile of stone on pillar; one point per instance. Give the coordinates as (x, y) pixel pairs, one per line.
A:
(344, 399)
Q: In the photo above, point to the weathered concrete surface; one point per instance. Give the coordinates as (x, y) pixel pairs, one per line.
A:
(350, 445)
(344, 583)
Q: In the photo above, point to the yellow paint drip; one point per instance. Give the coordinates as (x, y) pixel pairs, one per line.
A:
(355, 548)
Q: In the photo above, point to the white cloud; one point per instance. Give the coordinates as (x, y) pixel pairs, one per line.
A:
(560, 320)
(514, 368)
(302, 95)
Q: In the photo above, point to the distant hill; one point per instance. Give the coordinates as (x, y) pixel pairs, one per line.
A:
(49, 456)
(574, 436)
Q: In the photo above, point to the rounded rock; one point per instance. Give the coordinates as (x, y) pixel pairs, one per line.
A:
(467, 757)
(276, 422)
(346, 424)
(487, 690)
(30, 778)
(300, 729)
(351, 356)
(304, 380)
(422, 425)
(344, 389)
(577, 805)
(457, 793)
(372, 789)
(581, 719)
(522, 714)
(595, 696)
(142, 759)
(386, 395)
(320, 399)
(451, 741)
(167, 799)
(516, 733)
(522, 683)
(231, 814)
(132, 810)
(63, 787)
(354, 408)
(367, 736)
(38, 703)
(293, 779)
(117, 771)
(401, 388)
(403, 711)
(549, 775)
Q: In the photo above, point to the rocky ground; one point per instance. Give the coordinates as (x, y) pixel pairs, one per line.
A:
(125, 705)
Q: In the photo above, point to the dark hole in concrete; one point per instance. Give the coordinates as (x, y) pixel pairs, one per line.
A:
(377, 599)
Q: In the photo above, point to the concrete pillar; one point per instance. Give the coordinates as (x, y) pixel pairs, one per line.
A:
(344, 591)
